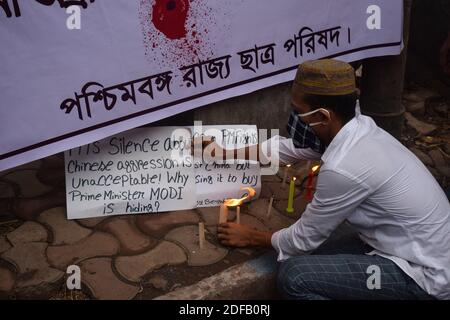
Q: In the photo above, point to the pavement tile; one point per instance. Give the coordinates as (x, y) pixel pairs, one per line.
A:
(4, 244)
(64, 231)
(97, 244)
(28, 183)
(444, 170)
(29, 231)
(30, 165)
(30, 208)
(419, 95)
(420, 126)
(98, 276)
(132, 240)
(54, 177)
(7, 280)
(91, 222)
(133, 268)
(187, 237)
(438, 158)
(253, 222)
(442, 109)
(415, 108)
(8, 189)
(157, 225)
(275, 221)
(158, 282)
(32, 266)
(299, 206)
(27, 256)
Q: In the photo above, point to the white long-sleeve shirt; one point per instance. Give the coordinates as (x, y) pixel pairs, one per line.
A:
(373, 182)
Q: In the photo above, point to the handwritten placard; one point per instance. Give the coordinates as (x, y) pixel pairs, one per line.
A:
(150, 170)
(133, 172)
(216, 182)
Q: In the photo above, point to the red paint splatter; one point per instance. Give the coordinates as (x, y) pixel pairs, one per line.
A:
(178, 34)
(169, 17)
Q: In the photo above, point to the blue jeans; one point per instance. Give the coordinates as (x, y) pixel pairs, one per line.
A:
(339, 270)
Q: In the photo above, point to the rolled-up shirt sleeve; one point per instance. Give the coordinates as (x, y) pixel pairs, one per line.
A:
(336, 197)
(282, 149)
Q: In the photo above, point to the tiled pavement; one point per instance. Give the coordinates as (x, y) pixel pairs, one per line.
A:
(120, 257)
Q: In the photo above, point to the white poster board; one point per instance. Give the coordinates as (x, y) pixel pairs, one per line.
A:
(149, 170)
(218, 181)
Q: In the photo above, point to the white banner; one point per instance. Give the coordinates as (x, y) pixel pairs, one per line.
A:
(73, 74)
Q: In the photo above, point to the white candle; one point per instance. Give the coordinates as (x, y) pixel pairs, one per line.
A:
(223, 214)
(201, 234)
(238, 215)
(286, 173)
(269, 209)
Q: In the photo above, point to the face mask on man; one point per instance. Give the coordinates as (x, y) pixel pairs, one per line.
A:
(301, 133)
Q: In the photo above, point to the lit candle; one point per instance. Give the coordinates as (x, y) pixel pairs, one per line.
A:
(290, 207)
(238, 215)
(309, 184)
(269, 209)
(201, 234)
(223, 214)
(286, 173)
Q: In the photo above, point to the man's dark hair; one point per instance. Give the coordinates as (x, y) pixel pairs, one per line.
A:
(343, 106)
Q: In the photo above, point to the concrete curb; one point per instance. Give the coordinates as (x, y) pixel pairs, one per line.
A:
(254, 279)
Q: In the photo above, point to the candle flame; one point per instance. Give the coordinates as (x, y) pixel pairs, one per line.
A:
(251, 191)
(315, 168)
(294, 178)
(234, 202)
(238, 202)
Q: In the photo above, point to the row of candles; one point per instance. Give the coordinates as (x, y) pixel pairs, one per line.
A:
(223, 213)
(308, 188)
